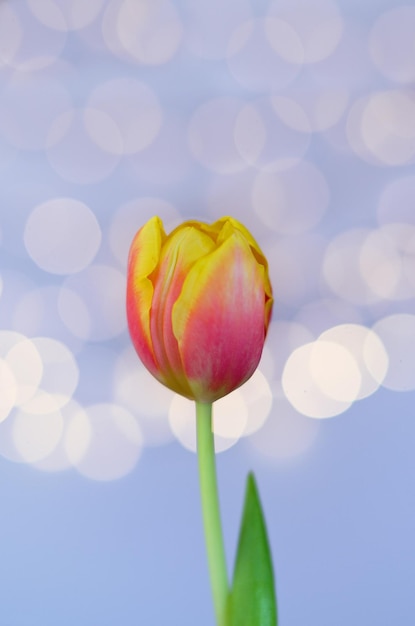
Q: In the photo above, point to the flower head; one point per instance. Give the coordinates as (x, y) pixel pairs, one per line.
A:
(199, 303)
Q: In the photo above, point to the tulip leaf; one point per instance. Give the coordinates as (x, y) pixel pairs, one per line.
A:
(251, 601)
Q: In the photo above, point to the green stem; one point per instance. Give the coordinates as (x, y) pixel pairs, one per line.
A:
(210, 507)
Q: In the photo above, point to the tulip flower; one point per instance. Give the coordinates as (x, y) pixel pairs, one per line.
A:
(198, 305)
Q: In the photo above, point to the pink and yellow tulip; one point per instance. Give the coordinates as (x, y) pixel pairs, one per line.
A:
(199, 303)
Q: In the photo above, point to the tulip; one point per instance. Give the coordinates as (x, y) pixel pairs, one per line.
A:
(199, 303)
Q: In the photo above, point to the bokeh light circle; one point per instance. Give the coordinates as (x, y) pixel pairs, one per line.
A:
(388, 126)
(321, 379)
(142, 32)
(392, 43)
(62, 235)
(368, 351)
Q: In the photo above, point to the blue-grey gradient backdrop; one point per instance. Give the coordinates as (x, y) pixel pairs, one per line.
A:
(298, 118)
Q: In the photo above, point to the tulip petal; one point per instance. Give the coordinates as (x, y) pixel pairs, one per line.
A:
(229, 225)
(143, 260)
(218, 319)
(182, 248)
(222, 229)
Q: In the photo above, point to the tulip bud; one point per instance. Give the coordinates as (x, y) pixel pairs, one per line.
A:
(199, 303)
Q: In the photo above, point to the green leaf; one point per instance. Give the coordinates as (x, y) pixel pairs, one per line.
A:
(252, 601)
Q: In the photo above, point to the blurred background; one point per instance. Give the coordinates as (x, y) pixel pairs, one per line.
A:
(297, 117)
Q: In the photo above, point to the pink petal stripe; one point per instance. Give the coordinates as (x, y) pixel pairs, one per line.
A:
(219, 319)
(181, 250)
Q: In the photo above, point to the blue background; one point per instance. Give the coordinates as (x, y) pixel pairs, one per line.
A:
(79, 548)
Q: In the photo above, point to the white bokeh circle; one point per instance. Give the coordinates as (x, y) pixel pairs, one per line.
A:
(392, 43)
(388, 126)
(142, 32)
(321, 379)
(368, 351)
(62, 235)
